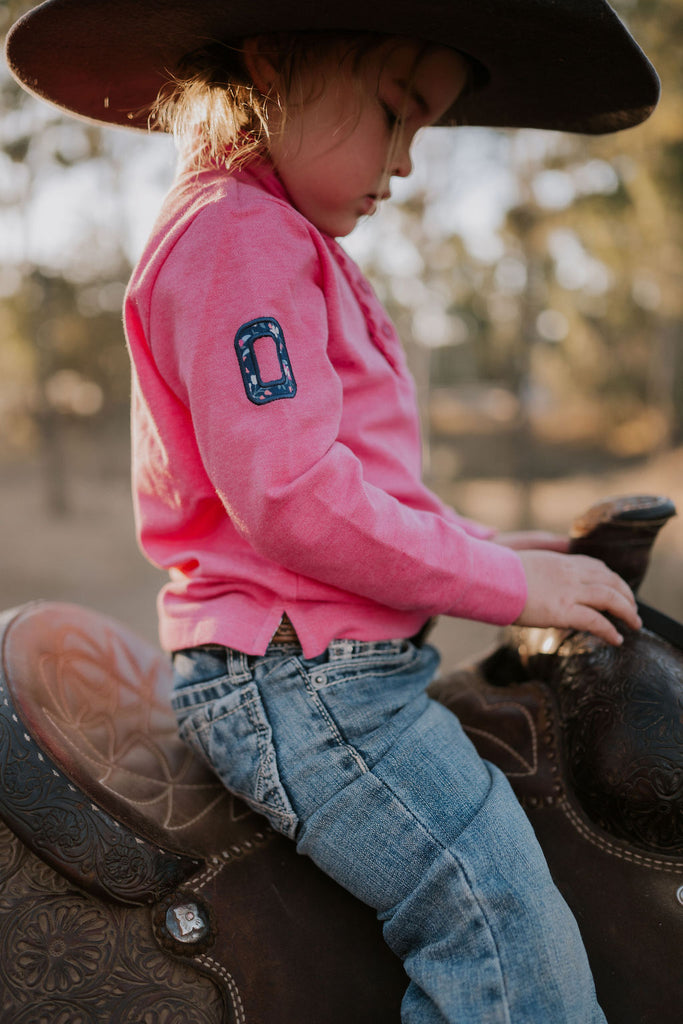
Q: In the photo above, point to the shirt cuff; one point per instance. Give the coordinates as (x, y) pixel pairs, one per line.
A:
(498, 591)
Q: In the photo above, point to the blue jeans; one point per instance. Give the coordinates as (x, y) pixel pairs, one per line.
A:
(378, 784)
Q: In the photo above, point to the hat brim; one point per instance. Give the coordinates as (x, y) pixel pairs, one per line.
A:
(568, 65)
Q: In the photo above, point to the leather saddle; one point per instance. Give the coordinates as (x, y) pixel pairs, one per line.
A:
(134, 888)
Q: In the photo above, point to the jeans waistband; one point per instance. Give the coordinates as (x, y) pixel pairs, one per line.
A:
(286, 634)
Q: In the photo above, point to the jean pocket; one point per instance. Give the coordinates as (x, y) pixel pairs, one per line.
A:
(372, 700)
(234, 736)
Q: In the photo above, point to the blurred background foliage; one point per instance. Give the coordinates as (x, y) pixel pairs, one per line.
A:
(554, 343)
(535, 278)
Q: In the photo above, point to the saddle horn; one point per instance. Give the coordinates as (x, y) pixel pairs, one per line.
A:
(621, 532)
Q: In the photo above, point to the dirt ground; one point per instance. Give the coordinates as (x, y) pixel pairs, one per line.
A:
(89, 555)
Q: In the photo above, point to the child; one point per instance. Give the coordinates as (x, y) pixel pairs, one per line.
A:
(276, 472)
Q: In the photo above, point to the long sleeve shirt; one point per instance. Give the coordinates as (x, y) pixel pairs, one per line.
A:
(276, 448)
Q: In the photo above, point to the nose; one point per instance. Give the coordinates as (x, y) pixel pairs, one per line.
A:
(402, 163)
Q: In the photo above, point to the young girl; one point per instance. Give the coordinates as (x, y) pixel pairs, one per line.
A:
(277, 479)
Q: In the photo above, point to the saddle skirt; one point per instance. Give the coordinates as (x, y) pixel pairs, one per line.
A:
(132, 885)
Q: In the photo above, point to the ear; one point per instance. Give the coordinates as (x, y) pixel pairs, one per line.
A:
(261, 69)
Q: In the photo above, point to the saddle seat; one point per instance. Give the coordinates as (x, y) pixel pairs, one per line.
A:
(112, 821)
(93, 699)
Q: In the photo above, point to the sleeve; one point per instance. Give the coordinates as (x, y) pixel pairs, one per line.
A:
(291, 488)
(471, 526)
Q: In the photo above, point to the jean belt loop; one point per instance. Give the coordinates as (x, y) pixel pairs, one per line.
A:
(236, 664)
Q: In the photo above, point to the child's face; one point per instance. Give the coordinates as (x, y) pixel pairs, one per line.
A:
(336, 152)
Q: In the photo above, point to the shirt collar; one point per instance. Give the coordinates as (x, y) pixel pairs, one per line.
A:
(258, 170)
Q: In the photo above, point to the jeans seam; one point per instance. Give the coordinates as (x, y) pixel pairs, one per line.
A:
(276, 805)
(366, 662)
(242, 706)
(261, 727)
(200, 685)
(465, 874)
(357, 672)
(358, 758)
(357, 676)
(337, 736)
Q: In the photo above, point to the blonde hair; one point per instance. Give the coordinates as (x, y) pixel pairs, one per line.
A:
(216, 112)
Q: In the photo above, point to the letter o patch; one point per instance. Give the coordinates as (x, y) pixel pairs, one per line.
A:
(261, 387)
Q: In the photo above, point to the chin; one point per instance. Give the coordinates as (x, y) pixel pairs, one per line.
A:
(344, 225)
(336, 227)
(343, 232)
(335, 230)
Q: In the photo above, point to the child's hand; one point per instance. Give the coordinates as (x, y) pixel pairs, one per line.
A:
(571, 591)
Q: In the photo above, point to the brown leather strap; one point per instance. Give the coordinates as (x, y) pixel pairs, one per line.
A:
(285, 632)
(658, 622)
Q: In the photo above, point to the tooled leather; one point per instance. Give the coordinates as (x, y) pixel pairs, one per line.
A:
(524, 716)
(95, 698)
(628, 900)
(621, 712)
(75, 836)
(67, 958)
(288, 941)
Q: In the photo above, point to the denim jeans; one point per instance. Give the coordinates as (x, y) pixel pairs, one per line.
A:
(378, 784)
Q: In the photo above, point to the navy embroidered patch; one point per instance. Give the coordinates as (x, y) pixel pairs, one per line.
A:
(273, 351)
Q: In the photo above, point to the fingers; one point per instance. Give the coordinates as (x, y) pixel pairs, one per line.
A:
(588, 620)
(576, 592)
(603, 591)
(606, 590)
(608, 599)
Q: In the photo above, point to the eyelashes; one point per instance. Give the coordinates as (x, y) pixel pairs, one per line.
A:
(393, 119)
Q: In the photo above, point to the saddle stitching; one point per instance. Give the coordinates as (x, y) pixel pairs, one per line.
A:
(215, 968)
(218, 861)
(530, 769)
(167, 784)
(607, 847)
(66, 801)
(211, 871)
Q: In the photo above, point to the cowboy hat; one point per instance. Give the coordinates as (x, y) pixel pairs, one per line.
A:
(559, 64)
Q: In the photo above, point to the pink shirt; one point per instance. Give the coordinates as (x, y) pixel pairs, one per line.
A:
(276, 448)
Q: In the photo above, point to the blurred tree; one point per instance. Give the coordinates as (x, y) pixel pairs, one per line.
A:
(68, 231)
(535, 277)
(566, 303)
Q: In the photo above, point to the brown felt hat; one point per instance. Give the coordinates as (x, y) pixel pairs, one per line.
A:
(561, 64)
